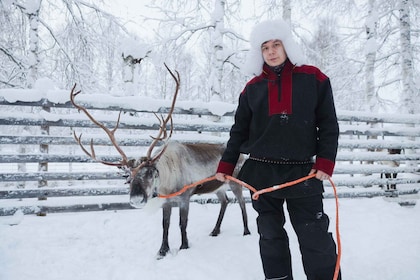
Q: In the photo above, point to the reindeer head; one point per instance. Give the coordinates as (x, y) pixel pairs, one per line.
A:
(144, 185)
(142, 174)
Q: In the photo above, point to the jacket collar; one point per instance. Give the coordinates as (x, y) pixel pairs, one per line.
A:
(268, 72)
(280, 97)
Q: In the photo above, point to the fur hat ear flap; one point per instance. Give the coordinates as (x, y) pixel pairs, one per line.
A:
(266, 31)
(254, 62)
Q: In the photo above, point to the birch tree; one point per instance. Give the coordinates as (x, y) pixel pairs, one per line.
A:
(201, 27)
(69, 49)
(13, 63)
(370, 52)
(31, 10)
(409, 93)
(88, 43)
(395, 57)
(370, 60)
(216, 75)
(25, 63)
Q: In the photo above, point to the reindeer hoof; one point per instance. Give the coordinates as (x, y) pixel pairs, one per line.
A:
(184, 246)
(246, 232)
(215, 232)
(162, 252)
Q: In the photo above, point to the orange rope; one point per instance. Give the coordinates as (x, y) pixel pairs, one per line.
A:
(337, 231)
(256, 195)
(186, 187)
(195, 184)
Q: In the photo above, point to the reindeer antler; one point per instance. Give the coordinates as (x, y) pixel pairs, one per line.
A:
(163, 133)
(110, 133)
(161, 136)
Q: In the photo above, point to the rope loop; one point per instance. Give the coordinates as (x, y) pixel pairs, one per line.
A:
(256, 194)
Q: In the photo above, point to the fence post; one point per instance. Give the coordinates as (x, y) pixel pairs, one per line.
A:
(22, 166)
(43, 148)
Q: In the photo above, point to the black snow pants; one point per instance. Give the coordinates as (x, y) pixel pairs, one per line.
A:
(310, 223)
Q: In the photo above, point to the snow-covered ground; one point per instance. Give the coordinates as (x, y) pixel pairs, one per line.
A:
(380, 240)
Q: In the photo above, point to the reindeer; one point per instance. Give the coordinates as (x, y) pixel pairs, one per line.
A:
(391, 163)
(167, 170)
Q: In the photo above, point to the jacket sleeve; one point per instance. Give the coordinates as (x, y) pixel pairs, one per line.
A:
(239, 134)
(328, 130)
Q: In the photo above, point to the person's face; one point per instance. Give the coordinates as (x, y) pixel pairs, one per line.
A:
(273, 52)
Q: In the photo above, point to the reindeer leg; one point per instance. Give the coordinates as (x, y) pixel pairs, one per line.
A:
(388, 176)
(221, 195)
(382, 186)
(183, 221)
(164, 248)
(394, 186)
(237, 191)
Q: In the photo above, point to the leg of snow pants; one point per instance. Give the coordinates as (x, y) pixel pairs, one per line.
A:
(274, 242)
(316, 244)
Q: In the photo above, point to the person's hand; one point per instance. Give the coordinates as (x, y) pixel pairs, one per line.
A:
(221, 177)
(320, 175)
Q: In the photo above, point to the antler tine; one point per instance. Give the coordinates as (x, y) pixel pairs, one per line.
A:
(178, 82)
(109, 132)
(92, 154)
(163, 128)
(172, 128)
(118, 122)
(162, 134)
(79, 141)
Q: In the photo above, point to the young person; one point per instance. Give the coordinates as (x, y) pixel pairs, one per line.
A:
(286, 122)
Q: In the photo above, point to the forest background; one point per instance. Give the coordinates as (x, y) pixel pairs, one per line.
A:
(369, 48)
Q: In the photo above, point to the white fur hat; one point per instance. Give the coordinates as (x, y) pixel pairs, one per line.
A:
(269, 30)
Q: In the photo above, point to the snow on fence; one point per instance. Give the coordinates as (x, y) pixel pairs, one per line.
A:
(44, 170)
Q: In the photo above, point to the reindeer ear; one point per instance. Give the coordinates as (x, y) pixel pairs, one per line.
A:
(143, 159)
(131, 163)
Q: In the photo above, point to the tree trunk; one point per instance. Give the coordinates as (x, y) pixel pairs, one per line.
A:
(34, 60)
(409, 98)
(370, 49)
(217, 62)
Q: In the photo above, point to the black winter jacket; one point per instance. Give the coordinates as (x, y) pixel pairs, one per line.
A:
(283, 117)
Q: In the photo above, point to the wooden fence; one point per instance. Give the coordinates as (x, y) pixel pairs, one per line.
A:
(44, 170)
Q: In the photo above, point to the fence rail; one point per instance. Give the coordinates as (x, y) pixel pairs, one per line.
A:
(40, 158)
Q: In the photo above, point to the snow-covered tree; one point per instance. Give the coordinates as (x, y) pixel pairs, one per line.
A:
(371, 26)
(216, 75)
(13, 55)
(201, 28)
(369, 49)
(409, 94)
(31, 9)
(35, 43)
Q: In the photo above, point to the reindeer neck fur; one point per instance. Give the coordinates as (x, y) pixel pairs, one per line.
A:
(182, 163)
